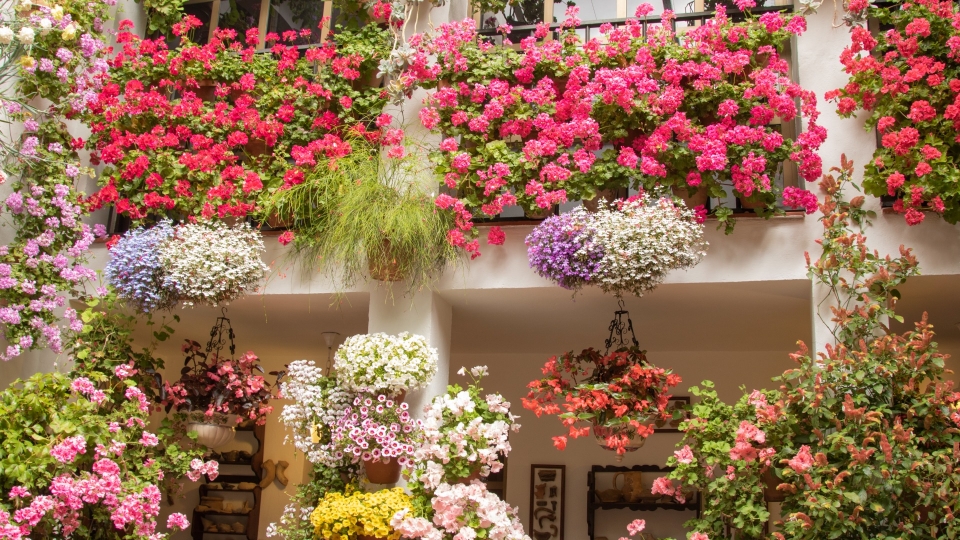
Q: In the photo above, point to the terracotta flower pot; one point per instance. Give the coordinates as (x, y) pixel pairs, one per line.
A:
(388, 269)
(605, 195)
(475, 475)
(207, 91)
(380, 472)
(276, 222)
(542, 213)
(367, 537)
(770, 491)
(400, 397)
(255, 147)
(699, 198)
(751, 205)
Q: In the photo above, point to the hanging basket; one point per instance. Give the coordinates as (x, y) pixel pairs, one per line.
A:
(212, 435)
(604, 433)
(387, 268)
(382, 472)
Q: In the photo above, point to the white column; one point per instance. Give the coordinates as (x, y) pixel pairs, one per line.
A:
(426, 314)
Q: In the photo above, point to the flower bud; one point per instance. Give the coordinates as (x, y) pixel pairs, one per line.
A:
(857, 201)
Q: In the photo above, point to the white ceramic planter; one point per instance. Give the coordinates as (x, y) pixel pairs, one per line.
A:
(212, 435)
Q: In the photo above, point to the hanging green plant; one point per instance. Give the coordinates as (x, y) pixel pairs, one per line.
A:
(365, 217)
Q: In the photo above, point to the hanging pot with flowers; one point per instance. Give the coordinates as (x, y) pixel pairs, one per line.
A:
(216, 392)
(380, 432)
(385, 364)
(626, 247)
(617, 396)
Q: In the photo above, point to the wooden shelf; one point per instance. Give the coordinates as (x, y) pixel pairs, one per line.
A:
(594, 504)
(645, 506)
(252, 516)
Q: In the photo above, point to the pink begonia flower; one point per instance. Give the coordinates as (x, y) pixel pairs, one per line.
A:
(802, 461)
(662, 486)
(286, 237)
(643, 10)
(636, 526)
(18, 492)
(496, 236)
(149, 439)
(684, 455)
(177, 521)
(699, 536)
(66, 451)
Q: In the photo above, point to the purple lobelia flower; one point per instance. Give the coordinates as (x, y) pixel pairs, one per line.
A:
(562, 249)
(135, 269)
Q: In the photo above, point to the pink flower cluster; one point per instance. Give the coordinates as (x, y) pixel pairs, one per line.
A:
(463, 512)
(532, 137)
(199, 468)
(377, 428)
(904, 79)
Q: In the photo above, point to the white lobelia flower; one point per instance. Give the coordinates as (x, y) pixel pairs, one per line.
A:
(6, 35)
(26, 35)
(45, 26)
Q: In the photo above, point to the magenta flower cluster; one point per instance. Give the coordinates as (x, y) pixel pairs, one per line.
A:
(377, 428)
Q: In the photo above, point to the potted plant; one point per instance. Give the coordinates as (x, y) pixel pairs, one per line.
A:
(850, 433)
(380, 432)
(626, 247)
(275, 115)
(319, 402)
(460, 510)
(618, 395)
(210, 263)
(358, 514)
(509, 135)
(915, 117)
(464, 434)
(384, 363)
(360, 215)
(214, 392)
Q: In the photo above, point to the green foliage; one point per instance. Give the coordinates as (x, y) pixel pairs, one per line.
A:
(40, 413)
(366, 213)
(861, 440)
(162, 15)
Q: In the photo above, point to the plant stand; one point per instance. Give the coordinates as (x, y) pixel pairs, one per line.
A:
(252, 518)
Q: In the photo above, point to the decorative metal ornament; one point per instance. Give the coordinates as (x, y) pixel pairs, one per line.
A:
(618, 339)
